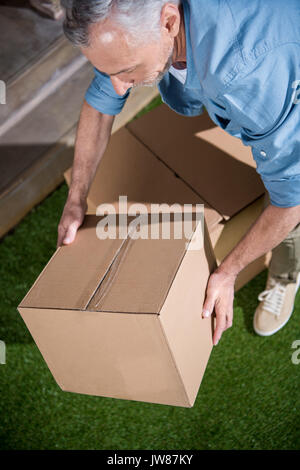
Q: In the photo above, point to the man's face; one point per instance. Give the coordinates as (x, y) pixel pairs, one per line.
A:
(129, 65)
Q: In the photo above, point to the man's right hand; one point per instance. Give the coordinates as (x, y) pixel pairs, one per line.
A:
(92, 136)
(71, 219)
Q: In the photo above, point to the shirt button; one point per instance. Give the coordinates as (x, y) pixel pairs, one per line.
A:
(263, 153)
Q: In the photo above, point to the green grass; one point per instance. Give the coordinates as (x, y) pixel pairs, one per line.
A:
(249, 397)
(153, 104)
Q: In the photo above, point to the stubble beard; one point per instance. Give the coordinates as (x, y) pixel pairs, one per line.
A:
(152, 83)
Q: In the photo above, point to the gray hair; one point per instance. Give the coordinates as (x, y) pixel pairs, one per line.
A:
(140, 19)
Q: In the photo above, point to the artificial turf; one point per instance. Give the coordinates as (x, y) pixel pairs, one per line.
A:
(249, 397)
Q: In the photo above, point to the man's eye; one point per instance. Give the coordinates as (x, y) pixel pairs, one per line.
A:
(126, 76)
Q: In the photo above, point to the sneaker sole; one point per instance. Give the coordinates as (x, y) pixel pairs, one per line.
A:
(269, 333)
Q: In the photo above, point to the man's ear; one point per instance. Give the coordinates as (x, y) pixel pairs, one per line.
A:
(170, 19)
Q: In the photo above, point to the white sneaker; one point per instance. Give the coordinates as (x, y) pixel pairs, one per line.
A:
(276, 305)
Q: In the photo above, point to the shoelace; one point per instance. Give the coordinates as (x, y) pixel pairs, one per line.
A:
(273, 297)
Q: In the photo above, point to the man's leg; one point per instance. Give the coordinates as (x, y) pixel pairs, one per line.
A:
(285, 261)
(277, 300)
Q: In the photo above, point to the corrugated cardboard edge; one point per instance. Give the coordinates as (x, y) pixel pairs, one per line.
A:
(211, 266)
(21, 304)
(39, 330)
(200, 225)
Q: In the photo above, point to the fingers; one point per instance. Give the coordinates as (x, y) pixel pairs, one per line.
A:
(61, 234)
(209, 304)
(219, 299)
(208, 307)
(224, 318)
(71, 232)
(220, 328)
(67, 235)
(229, 321)
(71, 219)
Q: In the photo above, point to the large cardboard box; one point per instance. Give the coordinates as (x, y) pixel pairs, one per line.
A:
(122, 317)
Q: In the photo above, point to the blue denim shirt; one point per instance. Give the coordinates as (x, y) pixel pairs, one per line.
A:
(243, 65)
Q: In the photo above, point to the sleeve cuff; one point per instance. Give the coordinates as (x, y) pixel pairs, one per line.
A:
(103, 98)
(284, 192)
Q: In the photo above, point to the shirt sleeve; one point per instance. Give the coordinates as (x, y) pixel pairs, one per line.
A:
(102, 96)
(264, 101)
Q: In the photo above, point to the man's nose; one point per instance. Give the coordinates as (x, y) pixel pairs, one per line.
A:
(120, 86)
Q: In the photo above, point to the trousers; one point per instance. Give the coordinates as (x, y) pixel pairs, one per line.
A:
(285, 260)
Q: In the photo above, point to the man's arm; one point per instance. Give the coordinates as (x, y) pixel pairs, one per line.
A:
(270, 229)
(269, 121)
(92, 136)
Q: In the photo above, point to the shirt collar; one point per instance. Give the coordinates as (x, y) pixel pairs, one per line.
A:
(192, 80)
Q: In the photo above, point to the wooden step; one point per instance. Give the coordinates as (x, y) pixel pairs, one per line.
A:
(26, 37)
(31, 160)
(46, 79)
(39, 148)
(38, 81)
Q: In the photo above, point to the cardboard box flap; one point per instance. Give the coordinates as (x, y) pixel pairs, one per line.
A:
(140, 276)
(111, 275)
(215, 164)
(74, 272)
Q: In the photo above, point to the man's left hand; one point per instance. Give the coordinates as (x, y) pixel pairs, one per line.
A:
(219, 297)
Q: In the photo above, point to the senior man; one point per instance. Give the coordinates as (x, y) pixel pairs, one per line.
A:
(241, 60)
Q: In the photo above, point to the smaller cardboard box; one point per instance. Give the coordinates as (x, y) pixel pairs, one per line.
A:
(216, 165)
(129, 168)
(122, 318)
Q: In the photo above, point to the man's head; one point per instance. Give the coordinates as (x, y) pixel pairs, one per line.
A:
(130, 40)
